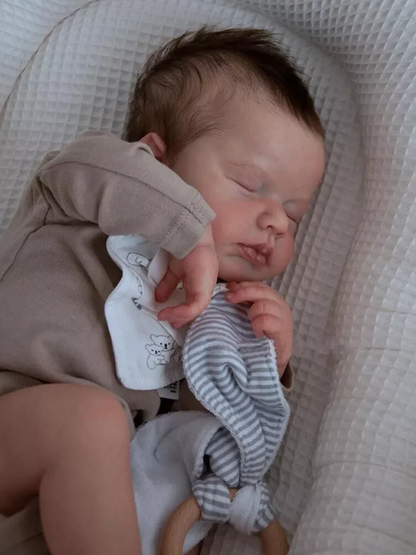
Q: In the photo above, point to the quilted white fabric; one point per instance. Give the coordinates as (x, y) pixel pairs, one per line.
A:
(345, 480)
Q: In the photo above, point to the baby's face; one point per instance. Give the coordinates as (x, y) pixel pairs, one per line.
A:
(258, 176)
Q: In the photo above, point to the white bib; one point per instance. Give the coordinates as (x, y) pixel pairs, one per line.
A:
(147, 352)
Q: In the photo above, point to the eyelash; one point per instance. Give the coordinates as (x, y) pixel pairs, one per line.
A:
(248, 190)
(245, 187)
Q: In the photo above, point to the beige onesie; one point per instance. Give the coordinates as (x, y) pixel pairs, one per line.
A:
(55, 270)
(56, 275)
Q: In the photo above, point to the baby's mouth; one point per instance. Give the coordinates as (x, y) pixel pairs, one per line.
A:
(256, 254)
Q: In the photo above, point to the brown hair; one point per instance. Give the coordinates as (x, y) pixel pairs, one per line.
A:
(174, 96)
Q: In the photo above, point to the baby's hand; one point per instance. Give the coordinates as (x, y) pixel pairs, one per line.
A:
(270, 316)
(198, 272)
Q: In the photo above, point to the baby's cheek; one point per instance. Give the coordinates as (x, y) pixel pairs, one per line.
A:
(233, 223)
(283, 255)
(222, 228)
(232, 268)
(235, 268)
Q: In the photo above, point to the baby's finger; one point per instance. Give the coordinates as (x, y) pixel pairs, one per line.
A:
(166, 287)
(184, 313)
(252, 293)
(265, 325)
(268, 326)
(198, 302)
(264, 307)
(234, 286)
(172, 314)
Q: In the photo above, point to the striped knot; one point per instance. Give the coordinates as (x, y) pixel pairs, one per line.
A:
(249, 512)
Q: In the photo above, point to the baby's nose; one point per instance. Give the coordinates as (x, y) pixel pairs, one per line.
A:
(274, 218)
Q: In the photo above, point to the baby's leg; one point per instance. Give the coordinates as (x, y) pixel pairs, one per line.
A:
(70, 445)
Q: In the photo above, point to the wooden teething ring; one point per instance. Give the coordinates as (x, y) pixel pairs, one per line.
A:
(273, 538)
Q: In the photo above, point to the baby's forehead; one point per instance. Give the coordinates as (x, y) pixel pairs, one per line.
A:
(266, 144)
(256, 114)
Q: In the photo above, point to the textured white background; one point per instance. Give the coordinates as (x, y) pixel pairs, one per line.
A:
(345, 480)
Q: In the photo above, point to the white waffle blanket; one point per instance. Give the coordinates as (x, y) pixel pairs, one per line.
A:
(345, 479)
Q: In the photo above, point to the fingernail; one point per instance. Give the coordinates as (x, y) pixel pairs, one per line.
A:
(229, 296)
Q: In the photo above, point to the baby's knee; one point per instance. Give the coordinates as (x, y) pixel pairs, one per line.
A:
(97, 416)
(100, 409)
(68, 424)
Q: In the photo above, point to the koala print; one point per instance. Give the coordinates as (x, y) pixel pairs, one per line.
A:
(164, 341)
(137, 303)
(168, 345)
(155, 356)
(162, 350)
(136, 259)
(139, 288)
(136, 300)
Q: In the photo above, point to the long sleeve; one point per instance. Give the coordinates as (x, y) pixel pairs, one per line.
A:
(55, 270)
(123, 189)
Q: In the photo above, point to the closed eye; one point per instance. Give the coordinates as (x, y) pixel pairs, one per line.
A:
(293, 216)
(248, 188)
(295, 209)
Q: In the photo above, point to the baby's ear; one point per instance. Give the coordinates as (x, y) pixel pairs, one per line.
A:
(157, 144)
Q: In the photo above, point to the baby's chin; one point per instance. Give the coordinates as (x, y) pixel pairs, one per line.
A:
(237, 269)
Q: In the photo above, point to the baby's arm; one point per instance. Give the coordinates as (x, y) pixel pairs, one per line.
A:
(123, 189)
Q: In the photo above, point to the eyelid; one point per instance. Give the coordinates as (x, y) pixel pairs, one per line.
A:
(294, 219)
(250, 188)
(290, 213)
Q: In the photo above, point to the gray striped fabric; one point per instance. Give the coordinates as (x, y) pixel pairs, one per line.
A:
(234, 375)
